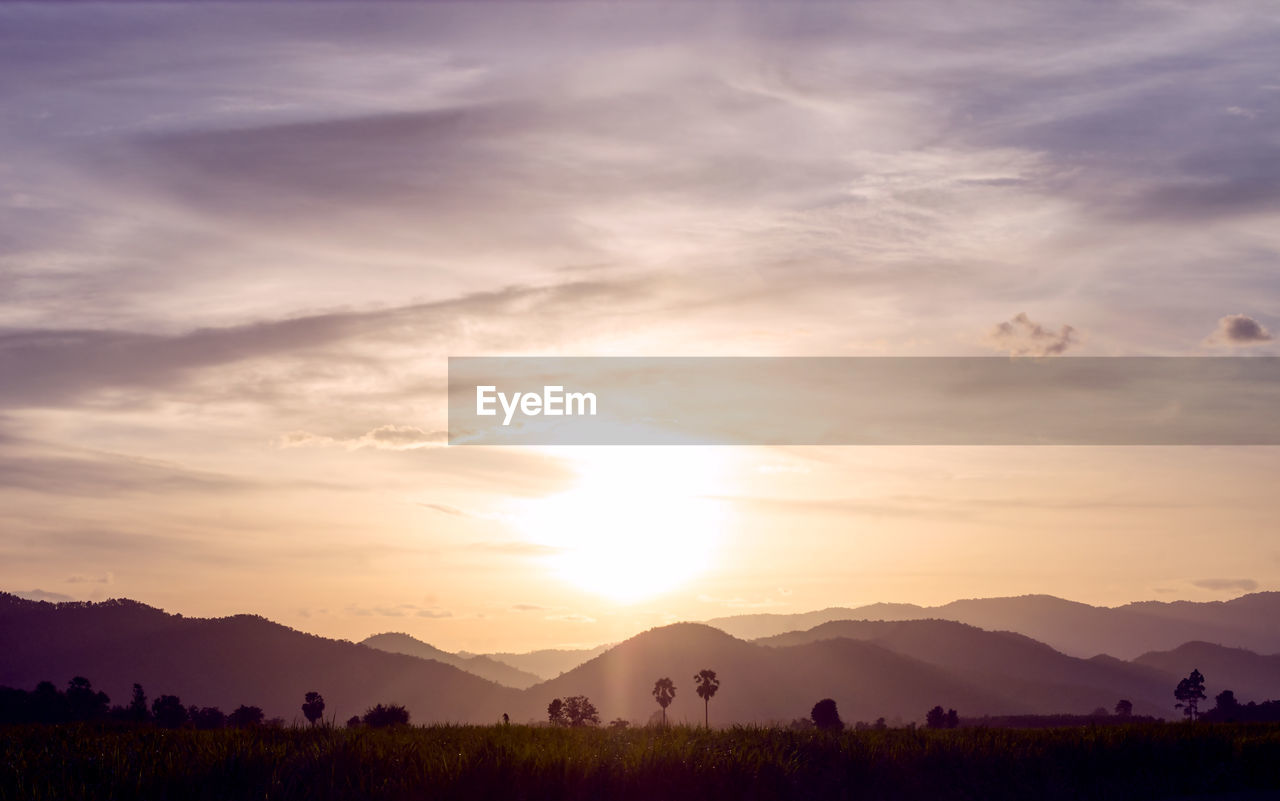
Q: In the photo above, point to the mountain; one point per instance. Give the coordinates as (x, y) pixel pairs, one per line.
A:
(547, 663)
(228, 661)
(1253, 677)
(482, 666)
(1037, 677)
(760, 684)
(1250, 621)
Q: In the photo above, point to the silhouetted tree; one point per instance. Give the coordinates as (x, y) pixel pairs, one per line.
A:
(953, 719)
(1124, 707)
(880, 725)
(1226, 707)
(580, 711)
(313, 707)
(1190, 692)
(48, 704)
(382, 716)
(506, 719)
(707, 686)
(825, 715)
(353, 722)
(245, 716)
(208, 717)
(936, 718)
(137, 709)
(555, 713)
(83, 702)
(664, 690)
(169, 711)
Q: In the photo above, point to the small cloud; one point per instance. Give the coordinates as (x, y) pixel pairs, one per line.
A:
(1239, 330)
(399, 610)
(572, 618)
(528, 608)
(105, 578)
(1022, 336)
(1241, 111)
(444, 509)
(41, 595)
(434, 613)
(387, 438)
(1248, 585)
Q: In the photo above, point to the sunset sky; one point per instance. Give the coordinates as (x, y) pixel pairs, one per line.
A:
(238, 244)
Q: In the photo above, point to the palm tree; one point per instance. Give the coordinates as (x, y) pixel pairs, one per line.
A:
(707, 686)
(663, 691)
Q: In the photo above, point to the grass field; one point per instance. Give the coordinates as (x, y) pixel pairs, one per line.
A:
(1149, 761)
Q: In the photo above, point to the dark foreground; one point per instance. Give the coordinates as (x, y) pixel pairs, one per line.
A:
(1152, 761)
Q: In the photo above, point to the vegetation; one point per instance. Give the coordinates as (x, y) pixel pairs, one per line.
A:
(826, 716)
(313, 707)
(1190, 692)
(1139, 761)
(707, 686)
(664, 692)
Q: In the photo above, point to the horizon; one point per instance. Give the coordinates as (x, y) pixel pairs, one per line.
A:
(710, 622)
(241, 244)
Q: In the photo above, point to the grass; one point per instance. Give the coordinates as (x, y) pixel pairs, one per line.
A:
(1149, 761)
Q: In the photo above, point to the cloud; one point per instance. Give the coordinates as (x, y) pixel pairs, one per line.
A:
(1247, 585)
(1239, 330)
(1022, 336)
(444, 509)
(398, 610)
(528, 608)
(571, 618)
(387, 437)
(741, 603)
(41, 595)
(106, 578)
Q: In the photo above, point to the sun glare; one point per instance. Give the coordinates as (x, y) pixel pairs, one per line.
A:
(638, 524)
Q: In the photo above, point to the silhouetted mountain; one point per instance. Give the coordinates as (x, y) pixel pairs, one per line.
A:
(1251, 621)
(482, 666)
(1035, 676)
(228, 661)
(761, 684)
(1253, 677)
(547, 663)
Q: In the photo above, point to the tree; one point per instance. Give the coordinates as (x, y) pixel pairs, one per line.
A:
(245, 716)
(1190, 692)
(209, 717)
(313, 707)
(383, 716)
(936, 718)
(137, 709)
(353, 722)
(664, 691)
(84, 702)
(825, 715)
(580, 711)
(953, 719)
(707, 686)
(555, 713)
(48, 704)
(169, 711)
(1124, 707)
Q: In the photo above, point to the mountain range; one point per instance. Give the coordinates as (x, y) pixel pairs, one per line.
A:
(895, 669)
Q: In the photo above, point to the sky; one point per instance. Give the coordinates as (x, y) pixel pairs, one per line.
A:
(239, 242)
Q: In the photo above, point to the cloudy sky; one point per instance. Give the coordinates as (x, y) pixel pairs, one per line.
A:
(238, 244)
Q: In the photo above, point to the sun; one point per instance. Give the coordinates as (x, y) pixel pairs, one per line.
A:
(639, 523)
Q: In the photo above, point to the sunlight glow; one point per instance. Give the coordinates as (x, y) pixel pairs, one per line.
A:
(638, 524)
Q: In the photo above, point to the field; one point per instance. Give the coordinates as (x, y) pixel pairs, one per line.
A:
(1149, 761)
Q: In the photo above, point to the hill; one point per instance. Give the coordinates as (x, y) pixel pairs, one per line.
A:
(760, 684)
(1039, 678)
(1253, 677)
(1250, 621)
(548, 662)
(228, 661)
(480, 665)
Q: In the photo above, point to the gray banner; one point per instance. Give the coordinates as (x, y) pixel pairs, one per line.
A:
(864, 401)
